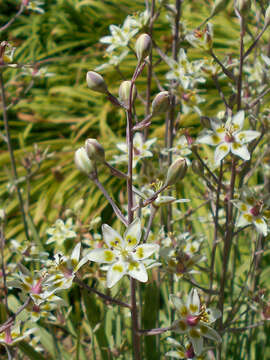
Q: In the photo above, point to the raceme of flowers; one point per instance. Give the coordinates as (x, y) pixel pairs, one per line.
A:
(228, 137)
(124, 255)
(61, 231)
(195, 320)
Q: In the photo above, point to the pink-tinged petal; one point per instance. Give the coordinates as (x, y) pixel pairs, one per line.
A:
(193, 302)
(112, 237)
(179, 306)
(221, 151)
(240, 150)
(132, 235)
(115, 273)
(144, 251)
(246, 136)
(196, 340)
(243, 220)
(238, 120)
(102, 256)
(137, 271)
(261, 225)
(208, 332)
(209, 138)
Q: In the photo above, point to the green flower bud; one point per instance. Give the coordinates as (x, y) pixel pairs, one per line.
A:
(143, 46)
(83, 163)
(96, 82)
(176, 171)
(124, 91)
(161, 103)
(197, 167)
(94, 150)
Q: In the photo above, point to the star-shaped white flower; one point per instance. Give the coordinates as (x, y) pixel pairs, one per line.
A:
(252, 213)
(140, 149)
(14, 334)
(61, 231)
(124, 255)
(228, 137)
(194, 320)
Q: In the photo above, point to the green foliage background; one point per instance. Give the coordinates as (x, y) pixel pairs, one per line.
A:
(60, 113)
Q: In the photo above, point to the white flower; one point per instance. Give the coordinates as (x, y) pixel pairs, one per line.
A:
(61, 231)
(194, 320)
(140, 149)
(13, 334)
(252, 213)
(35, 6)
(228, 137)
(184, 352)
(113, 60)
(124, 255)
(65, 268)
(202, 39)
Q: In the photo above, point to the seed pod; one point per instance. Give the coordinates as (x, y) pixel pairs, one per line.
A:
(94, 150)
(143, 46)
(96, 82)
(176, 172)
(83, 163)
(124, 92)
(161, 103)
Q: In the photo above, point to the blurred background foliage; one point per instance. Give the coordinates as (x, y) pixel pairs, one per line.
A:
(59, 113)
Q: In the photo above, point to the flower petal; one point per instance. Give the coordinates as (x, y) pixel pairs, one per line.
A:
(76, 252)
(144, 251)
(209, 138)
(179, 306)
(112, 237)
(246, 136)
(208, 332)
(133, 234)
(137, 271)
(238, 120)
(196, 340)
(261, 225)
(179, 326)
(102, 256)
(240, 150)
(193, 302)
(177, 354)
(115, 273)
(221, 151)
(243, 220)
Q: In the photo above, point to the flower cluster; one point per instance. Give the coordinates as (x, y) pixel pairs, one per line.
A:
(61, 231)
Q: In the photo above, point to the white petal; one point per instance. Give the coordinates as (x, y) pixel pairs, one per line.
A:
(213, 314)
(137, 271)
(208, 332)
(111, 237)
(122, 147)
(209, 138)
(238, 119)
(132, 235)
(247, 136)
(215, 124)
(115, 273)
(179, 306)
(221, 151)
(81, 263)
(193, 302)
(179, 326)
(177, 354)
(260, 226)
(102, 256)
(144, 251)
(240, 150)
(76, 252)
(196, 340)
(243, 220)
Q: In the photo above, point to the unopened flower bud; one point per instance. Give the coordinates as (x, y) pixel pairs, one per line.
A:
(94, 150)
(267, 16)
(96, 82)
(124, 92)
(83, 162)
(243, 6)
(143, 46)
(176, 171)
(161, 103)
(197, 167)
(2, 215)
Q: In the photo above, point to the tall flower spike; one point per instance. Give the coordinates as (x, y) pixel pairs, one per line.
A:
(123, 255)
(228, 137)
